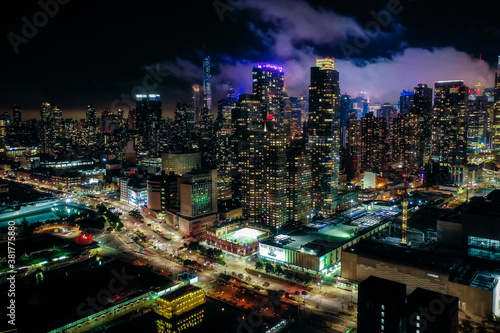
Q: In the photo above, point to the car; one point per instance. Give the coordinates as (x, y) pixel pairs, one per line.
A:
(304, 292)
(297, 292)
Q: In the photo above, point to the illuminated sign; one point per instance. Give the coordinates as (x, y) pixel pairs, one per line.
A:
(272, 252)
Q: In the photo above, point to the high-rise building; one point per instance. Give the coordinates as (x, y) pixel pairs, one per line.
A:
(346, 107)
(148, 116)
(397, 139)
(298, 176)
(263, 144)
(353, 147)
(406, 102)
(184, 140)
(294, 107)
(373, 143)
(497, 82)
(495, 112)
(16, 115)
(324, 134)
(207, 88)
(449, 135)
(419, 129)
(268, 84)
(196, 102)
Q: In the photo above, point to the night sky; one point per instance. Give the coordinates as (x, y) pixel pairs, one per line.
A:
(96, 52)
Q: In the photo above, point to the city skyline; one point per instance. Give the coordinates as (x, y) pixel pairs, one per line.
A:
(397, 57)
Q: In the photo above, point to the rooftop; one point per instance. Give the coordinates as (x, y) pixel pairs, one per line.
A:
(189, 288)
(322, 237)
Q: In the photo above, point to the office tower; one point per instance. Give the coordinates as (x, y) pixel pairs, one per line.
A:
(495, 115)
(497, 82)
(294, 107)
(298, 176)
(397, 139)
(4, 126)
(449, 134)
(45, 112)
(148, 116)
(324, 134)
(353, 147)
(207, 89)
(381, 306)
(56, 113)
(478, 124)
(44, 131)
(346, 107)
(90, 116)
(184, 140)
(268, 84)
(373, 143)
(224, 132)
(360, 104)
(196, 102)
(419, 129)
(406, 102)
(131, 119)
(263, 157)
(16, 115)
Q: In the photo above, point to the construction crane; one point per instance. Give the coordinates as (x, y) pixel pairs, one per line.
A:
(404, 226)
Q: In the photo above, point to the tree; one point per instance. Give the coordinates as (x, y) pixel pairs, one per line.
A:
(259, 265)
(101, 208)
(269, 268)
(481, 329)
(278, 270)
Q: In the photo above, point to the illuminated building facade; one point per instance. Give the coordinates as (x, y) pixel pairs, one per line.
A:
(449, 135)
(207, 88)
(324, 134)
(495, 115)
(180, 163)
(298, 176)
(179, 301)
(419, 129)
(148, 115)
(263, 144)
(373, 143)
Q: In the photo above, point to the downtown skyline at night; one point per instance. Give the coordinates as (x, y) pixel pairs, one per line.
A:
(250, 166)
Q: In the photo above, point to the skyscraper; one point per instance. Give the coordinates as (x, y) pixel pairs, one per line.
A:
(373, 143)
(268, 84)
(196, 102)
(406, 102)
(449, 135)
(16, 115)
(148, 116)
(263, 155)
(298, 177)
(207, 88)
(324, 134)
(421, 119)
(495, 119)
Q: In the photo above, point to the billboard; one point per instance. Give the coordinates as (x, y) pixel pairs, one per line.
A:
(271, 252)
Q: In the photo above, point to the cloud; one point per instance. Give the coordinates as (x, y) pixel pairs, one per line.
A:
(383, 79)
(290, 23)
(294, 34)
